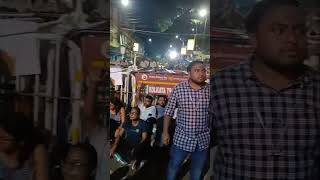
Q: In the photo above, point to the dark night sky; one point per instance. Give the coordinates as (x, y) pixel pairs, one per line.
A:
(147, 12)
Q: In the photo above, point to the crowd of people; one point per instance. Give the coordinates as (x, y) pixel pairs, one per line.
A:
(263, 118)
(147, 124)
(133, 134)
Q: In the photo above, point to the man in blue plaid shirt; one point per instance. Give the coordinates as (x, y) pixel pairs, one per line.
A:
(265, 113)
(192, 134)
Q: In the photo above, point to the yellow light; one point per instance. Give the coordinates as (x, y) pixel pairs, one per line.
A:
(183, 51)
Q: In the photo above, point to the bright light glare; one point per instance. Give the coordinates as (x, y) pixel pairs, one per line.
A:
(171, 46)
(203, 13)
(177, 36)
(150, 40)
(173, 54)
(125, 2)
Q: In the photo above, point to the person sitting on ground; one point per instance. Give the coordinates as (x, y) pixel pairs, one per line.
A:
(117, 110)
(79, 162)
(132, 139)
(161, 104)
(23, 152)
(117, 115)
(147, 109)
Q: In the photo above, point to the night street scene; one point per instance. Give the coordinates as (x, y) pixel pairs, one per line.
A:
(152, 43)
(159, 89)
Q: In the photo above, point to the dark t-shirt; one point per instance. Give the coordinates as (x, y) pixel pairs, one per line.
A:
(133, 134)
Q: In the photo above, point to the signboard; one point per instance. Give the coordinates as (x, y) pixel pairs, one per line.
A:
(183, 51)
(136, 47)
(159, 84)
(190, 45)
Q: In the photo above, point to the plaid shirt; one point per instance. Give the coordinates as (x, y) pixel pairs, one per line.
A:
(192, 118)
(262, 133)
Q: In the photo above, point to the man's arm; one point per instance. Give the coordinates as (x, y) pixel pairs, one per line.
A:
(165, 133)
(122, 115)
(138, 95)
(144, 137)
(170, 108)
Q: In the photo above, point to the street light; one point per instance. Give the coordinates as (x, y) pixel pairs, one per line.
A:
(192, 29)
(150, 40)
(203, 12)
(177, 36)
(125, 2)
(173, 54)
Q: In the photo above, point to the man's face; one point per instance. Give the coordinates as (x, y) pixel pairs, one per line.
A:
(281, 40)
(75, 165)
(6, 142)
(161, 101)
(198, 73)
(147, 102)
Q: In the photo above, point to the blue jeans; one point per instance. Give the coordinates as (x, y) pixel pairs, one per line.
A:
(177, 156)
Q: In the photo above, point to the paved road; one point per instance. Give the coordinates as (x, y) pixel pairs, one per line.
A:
(154, 169)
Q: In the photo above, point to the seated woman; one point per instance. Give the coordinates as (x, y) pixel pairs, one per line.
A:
(80, 162)
(117, 115)
(22, 151)
(132, 139)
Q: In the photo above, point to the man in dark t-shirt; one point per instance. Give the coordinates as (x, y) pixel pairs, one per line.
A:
(131, 141)
(134, 134)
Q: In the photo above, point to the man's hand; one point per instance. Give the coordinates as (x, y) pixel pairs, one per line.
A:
(165, 138)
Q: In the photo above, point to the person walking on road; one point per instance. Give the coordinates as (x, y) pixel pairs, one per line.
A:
(192, 133)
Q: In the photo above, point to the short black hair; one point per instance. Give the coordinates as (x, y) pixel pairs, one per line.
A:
(137, 109)
(192, 64)
(149, 97)
(117, 103)
(164, 97)
(261, 8)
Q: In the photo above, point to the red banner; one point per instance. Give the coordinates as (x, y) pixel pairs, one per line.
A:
(159, 84)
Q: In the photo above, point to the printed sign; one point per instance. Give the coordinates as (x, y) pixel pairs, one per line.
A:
(159, 84)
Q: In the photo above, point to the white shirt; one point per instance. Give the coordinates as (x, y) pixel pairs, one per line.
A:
(146, 113)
